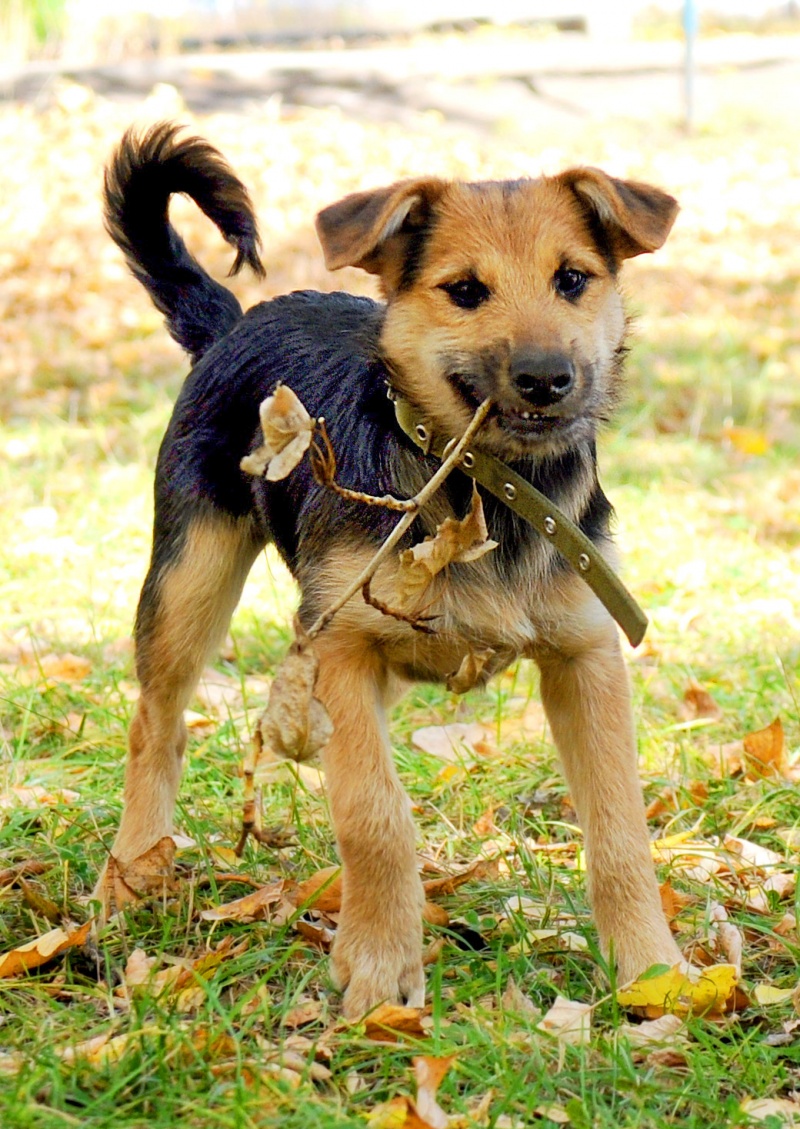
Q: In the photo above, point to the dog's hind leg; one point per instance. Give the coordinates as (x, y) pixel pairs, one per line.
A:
(187, 601)
(586, 696)
(377, 954)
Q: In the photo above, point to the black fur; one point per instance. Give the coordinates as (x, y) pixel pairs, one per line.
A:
(144, 173)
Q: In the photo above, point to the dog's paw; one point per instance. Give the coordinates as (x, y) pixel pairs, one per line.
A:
(372, 970)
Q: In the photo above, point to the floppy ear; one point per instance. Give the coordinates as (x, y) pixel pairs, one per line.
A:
(369, 228)
(637, 217)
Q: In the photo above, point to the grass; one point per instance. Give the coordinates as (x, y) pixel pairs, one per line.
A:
(702, 468)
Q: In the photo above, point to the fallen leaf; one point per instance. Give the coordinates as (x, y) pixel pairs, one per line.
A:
(766, 995)
(514, 1000)
(446, 884)
(255, 906)
(149, 875)
(26, 868)
(308, 1011)
(698, 703)
(287, 429)
(42, 949)
(452, 743)
(295, 723)
(569, 1021)
(455, 542)
(429, 1073)
(784, 1111)
(388, 1021)
(35, 796)
(681, 990)
(322, 890)
(765, 752)
(729, 939)
(668, 1028)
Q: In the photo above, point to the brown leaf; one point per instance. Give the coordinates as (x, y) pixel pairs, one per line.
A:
(429, 1073)
(456, 542)
(322, 890)
(470, 672)
(389, 1021)
(296, 724)
(35, 953)
(308, 1011)
(149, 875)
(287, 429)
(35, 796)
(255, 906)
(12, 874)
(449, 883)
(698, 703)
(765, 752)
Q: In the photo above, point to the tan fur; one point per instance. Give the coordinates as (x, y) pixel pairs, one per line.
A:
(196, 598)
(515, 239)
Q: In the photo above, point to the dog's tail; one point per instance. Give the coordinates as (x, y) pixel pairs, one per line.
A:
(145, 170)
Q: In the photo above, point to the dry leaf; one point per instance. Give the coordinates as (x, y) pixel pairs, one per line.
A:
(255, 906)
(470, 672)
(64, 668)
(429, 1073)
(765, 752)
(322, 890)
(729, 939)
(448, 883)
(149, 875)
(668, 1028)
(766, 995)
(569, 1021)
(287, 429)
(296, 724)
(453, 743)
(308, 1011)
(42, 949)
(514, 1000)
(388, 1021)
(35, 796)
(456, 542)
(682, 990)
(786, 1112)
(698, 703)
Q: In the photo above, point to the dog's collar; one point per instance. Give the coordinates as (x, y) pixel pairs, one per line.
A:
(537, 509)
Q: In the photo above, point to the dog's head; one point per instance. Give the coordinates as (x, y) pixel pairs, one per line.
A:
(505, 290)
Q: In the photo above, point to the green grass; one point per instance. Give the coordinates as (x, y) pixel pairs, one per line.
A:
(711, 535)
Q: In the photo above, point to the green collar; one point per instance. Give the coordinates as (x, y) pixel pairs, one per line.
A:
(538, 511)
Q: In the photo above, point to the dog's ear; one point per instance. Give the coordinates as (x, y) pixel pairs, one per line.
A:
(636, 217)
(370, 229)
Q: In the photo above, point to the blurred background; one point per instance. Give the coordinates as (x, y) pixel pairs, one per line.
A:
(311, 100)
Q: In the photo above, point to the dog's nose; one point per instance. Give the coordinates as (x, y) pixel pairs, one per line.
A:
(543, 379)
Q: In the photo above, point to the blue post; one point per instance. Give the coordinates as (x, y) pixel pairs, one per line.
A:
(690, 38)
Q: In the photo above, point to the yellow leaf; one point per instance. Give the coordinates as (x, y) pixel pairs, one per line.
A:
(766, 995)
(681, 990)
(252, 907)
(41, 950)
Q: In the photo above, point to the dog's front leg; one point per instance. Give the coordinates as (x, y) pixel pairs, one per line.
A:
(377, 955)
(586, 696)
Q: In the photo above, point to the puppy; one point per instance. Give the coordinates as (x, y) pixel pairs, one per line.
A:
(501, 290)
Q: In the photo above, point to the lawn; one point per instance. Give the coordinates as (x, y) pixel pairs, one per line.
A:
(171, 1015)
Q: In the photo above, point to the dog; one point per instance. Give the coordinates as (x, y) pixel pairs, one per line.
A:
(500, 290)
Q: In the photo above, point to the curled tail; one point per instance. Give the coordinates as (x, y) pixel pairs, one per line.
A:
(145, 170)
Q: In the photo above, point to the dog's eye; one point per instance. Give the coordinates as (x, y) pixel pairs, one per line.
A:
(467, 293)
(570, 283)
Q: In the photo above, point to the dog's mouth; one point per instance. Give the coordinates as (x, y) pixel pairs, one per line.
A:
(521, 423)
